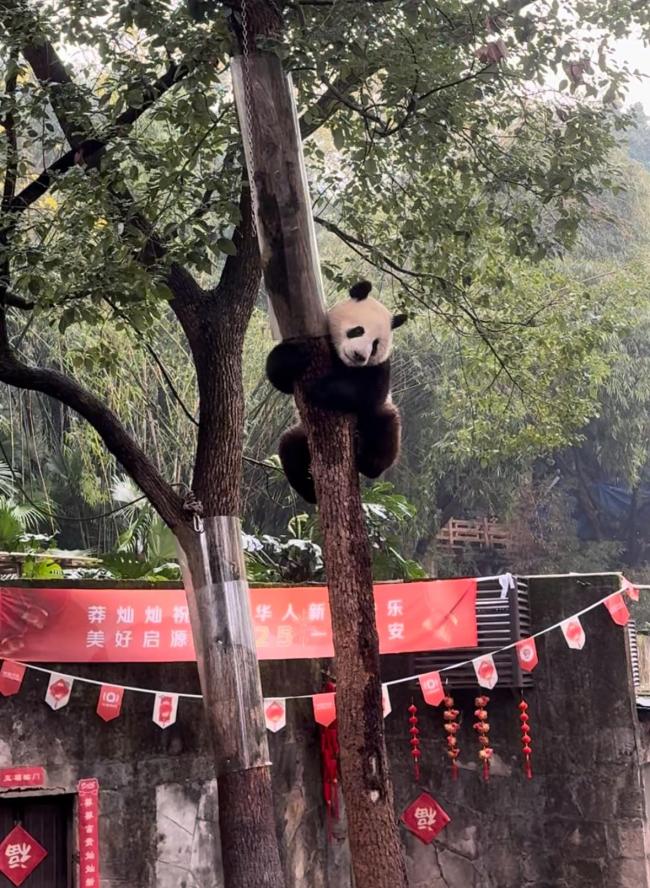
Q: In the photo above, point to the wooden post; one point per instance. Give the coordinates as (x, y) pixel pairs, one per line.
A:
(268, 120)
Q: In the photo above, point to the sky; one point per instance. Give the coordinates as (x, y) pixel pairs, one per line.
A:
(637, 56)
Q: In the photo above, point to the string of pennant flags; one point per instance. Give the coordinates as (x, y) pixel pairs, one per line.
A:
(165, 709)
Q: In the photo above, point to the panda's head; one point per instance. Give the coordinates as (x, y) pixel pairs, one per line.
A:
(362, 328)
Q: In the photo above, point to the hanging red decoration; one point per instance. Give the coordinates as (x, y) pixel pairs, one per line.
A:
(414, 731)
(329, 748)
(482, 728)
(526, 745)
(451, 728)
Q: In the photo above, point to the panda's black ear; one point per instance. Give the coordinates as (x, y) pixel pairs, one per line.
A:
(398, 320)
(360, 291)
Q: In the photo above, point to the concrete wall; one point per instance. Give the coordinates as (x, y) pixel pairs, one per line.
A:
(581, 823)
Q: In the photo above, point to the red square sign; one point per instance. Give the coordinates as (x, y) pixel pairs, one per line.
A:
(425, 818)
(20, 854)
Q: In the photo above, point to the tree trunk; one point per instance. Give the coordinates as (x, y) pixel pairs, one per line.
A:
(292, 277)
(215, 580)
(214, 572)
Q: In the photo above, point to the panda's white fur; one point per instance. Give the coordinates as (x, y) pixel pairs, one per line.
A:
(361, 335)
(361, 331)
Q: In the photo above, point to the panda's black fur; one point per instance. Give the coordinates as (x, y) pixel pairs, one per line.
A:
(360, 332)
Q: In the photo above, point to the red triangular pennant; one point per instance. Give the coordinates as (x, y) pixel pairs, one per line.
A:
(432, 689)
(573, 633)
(59, 690)
(109, 704)
(527, 654)
(617, 608)
(11, 677)
(486, 671)
(325, 708)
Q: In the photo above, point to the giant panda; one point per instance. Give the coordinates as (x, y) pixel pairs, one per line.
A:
(361, 336)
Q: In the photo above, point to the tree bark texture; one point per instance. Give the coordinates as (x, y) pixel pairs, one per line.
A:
(289, 261)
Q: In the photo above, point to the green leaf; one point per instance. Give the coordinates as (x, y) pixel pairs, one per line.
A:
(224, 245)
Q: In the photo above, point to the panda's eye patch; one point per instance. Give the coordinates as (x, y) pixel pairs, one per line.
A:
(355, 332)
(375, 346)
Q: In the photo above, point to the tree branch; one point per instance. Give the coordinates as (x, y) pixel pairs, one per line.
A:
(168, 504)
(91, 149)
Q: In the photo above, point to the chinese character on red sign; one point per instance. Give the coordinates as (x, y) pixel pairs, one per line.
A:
(24, 776)
(425, 818)
(88, 816)
(20, 854)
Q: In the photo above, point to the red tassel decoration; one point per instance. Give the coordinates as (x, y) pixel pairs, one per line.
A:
(451, 727)
(329, 747)
(414, 731)
(526, 739)
(482, 728)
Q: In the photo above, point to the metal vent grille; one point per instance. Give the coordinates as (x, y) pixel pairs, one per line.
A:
(501, 619)
(634, 653)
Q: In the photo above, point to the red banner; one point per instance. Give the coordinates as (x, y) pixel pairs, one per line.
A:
(152, 625)
(88, 834)
(22, 777)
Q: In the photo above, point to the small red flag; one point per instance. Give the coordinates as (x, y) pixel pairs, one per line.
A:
(59, 690)
(165, 708)
(325, 708)
(631, 590)
(574, 634)
(486, 671)
(617, 608)
(527, 654)
(11, 677)
(109, 704)
(275, 713)
(432, 689)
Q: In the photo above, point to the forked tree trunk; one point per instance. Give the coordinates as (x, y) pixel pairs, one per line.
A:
(289, 261)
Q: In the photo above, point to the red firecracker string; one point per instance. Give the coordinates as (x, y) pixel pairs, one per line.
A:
(526, 739)
(329, 747)
(414, 731)
(482, 728)
(451, 727)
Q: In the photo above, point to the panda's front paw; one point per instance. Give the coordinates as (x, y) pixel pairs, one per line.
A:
(286, 363)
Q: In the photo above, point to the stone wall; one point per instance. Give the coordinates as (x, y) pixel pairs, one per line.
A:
(581, 823)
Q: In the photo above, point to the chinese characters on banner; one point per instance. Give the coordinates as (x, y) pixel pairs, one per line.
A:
(22, 777)
(11, 678)
(425, 818)
(88, 811)
(153, 626)
(20, 854)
